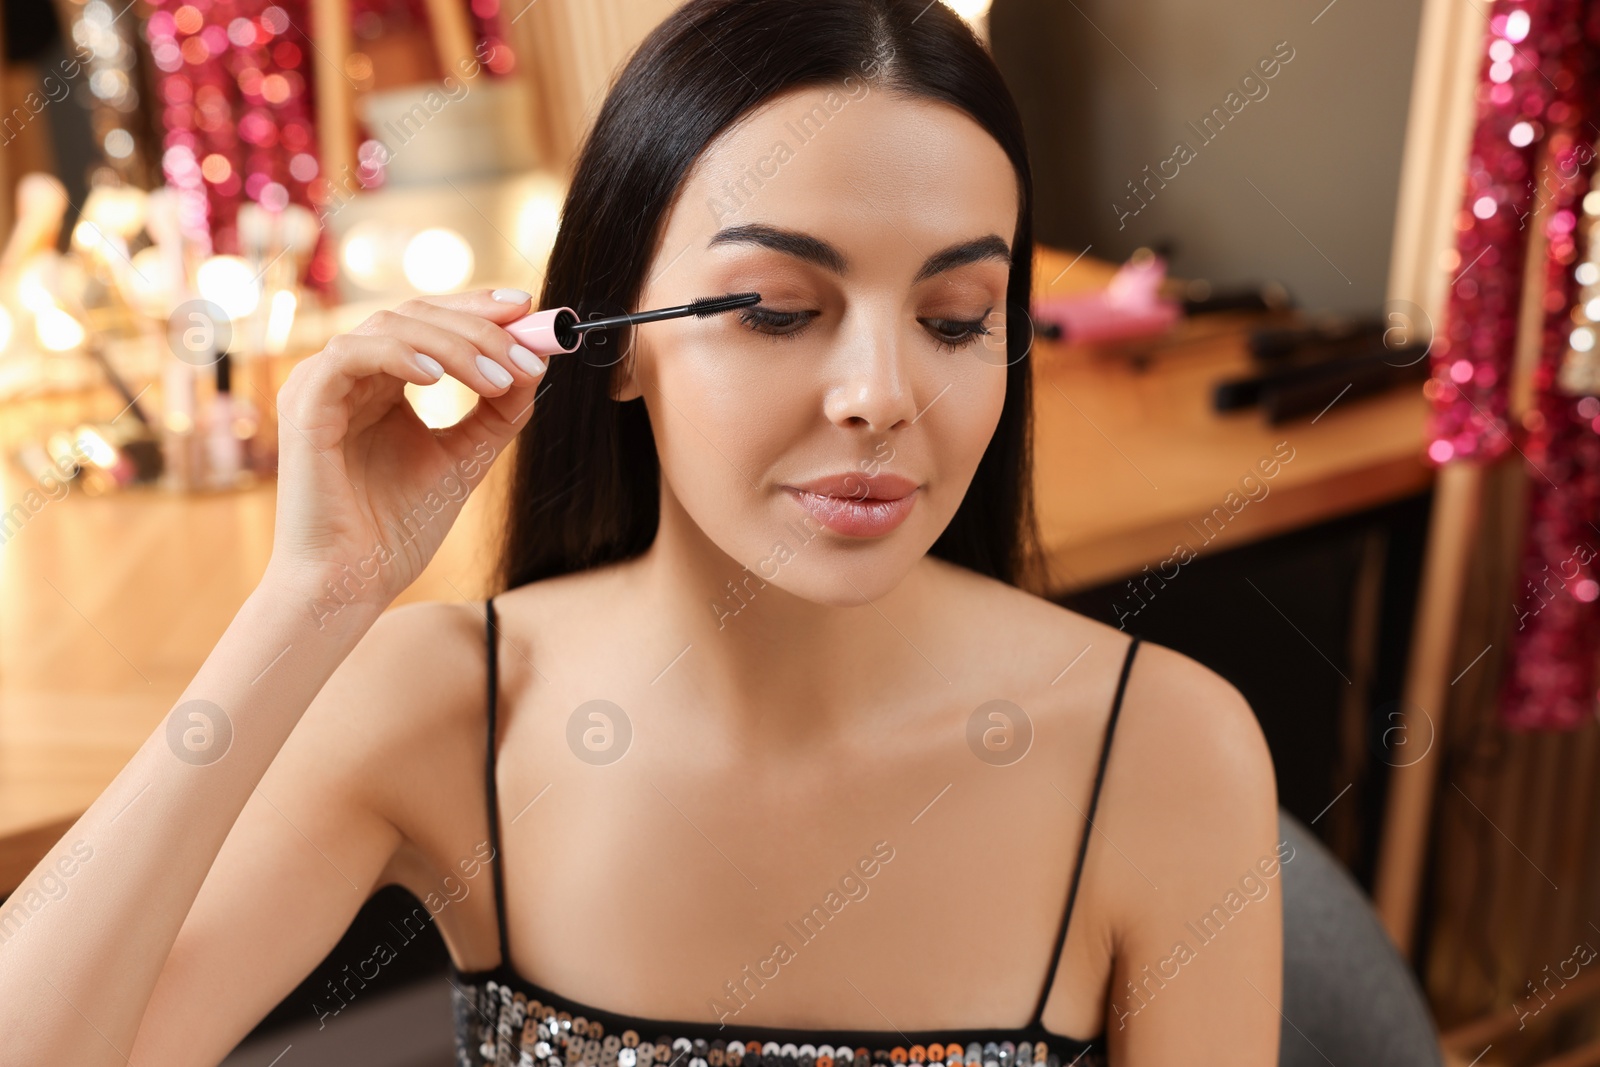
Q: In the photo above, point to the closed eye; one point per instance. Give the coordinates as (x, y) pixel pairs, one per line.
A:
(948, 333)
(956, 333)
(776, 323)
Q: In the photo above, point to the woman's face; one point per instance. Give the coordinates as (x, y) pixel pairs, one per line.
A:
(825, 437)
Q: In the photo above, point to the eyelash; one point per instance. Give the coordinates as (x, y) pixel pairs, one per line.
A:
(789, 324)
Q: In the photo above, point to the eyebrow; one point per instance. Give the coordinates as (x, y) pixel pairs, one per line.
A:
(811, 249)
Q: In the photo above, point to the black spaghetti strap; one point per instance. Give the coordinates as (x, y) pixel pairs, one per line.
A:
(490, 636)
(1083, 844)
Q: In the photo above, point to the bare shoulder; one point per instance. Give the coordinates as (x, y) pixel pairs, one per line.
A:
(550, 620)
(404, 708)
(422, 663)
(1194, 725)
(1184, 836)
(1181, 716)
(1189, 769)
(1183, 844)
(1022, 634)
(1190, 802)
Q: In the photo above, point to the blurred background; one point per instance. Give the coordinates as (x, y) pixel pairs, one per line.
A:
(1315, 405)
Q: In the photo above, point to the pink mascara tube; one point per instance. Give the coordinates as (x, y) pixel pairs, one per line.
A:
(558, 330)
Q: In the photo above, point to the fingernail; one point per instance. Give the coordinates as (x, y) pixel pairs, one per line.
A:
(530, 363)
(493, 371)
(429, 366)
(511, 296)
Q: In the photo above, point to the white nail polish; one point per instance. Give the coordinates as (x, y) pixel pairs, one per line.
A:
(493, 371)
(530, 363)
(511, 296)
(430, 366)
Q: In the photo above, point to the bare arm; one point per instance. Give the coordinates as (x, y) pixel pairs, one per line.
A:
(1197, 978)
(319, 833)
(78, 971)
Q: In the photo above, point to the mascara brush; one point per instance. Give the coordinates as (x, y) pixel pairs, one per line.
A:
(560, 330)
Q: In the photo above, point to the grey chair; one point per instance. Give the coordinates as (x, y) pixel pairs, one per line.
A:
(1349, 998)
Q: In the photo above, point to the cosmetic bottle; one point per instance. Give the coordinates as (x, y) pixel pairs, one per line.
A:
(223, 448)
(178, 436)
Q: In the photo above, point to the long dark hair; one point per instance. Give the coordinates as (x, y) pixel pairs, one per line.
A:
(585, 488)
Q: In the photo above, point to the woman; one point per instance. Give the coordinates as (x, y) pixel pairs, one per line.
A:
(760, 744)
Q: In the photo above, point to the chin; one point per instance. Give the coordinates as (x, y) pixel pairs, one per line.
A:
(816, 564)
(848, 579)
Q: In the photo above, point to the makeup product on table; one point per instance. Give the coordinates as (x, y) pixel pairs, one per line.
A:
(558, 330)
(1373, 374)
(300, 231)
(1130, 306)
(1269, 345)
(131, 433)
(1316, 377)
(1141, 301)
(41, 206)
(97, 353)
(254, 227)
(278, 245)
(224, 450)
(179, 441)
(94, 457)
(1199, 297)
(114, 455)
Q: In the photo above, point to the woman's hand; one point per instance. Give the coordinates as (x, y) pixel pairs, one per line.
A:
(366, 493)
(366, 490)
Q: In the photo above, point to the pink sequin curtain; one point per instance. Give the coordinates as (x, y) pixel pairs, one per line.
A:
(1532, 149)
(235, 91)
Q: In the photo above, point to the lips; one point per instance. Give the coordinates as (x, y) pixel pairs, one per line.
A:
(857, 505)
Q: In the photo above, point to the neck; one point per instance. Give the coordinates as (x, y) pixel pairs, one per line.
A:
(757, 653)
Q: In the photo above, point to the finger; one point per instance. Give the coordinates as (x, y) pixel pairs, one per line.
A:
(490, 338)
(485, 365)
(496, 305)
(313, 396)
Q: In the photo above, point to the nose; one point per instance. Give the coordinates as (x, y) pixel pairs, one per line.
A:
(873, 388)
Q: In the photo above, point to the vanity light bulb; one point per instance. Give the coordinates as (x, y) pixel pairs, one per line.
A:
(360, 256)
(33, 293)
(88, 237)
(437, 260)
(441, 404)
(95, 448)
(280, 320)
(229, 283)
(150, 284)
(538, 219)
(56, 330)
(117, 210)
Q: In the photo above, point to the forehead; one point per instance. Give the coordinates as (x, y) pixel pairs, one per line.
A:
(862, 166)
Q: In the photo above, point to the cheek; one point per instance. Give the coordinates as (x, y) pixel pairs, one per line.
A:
(729, 424)
(720, 423)
(962, 423)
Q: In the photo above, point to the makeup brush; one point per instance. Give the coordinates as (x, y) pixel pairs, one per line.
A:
(559, 329)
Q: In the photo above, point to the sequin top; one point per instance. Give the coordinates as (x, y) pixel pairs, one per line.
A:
(504, 1020)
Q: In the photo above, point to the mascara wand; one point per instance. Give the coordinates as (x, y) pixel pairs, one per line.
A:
(560, 330)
